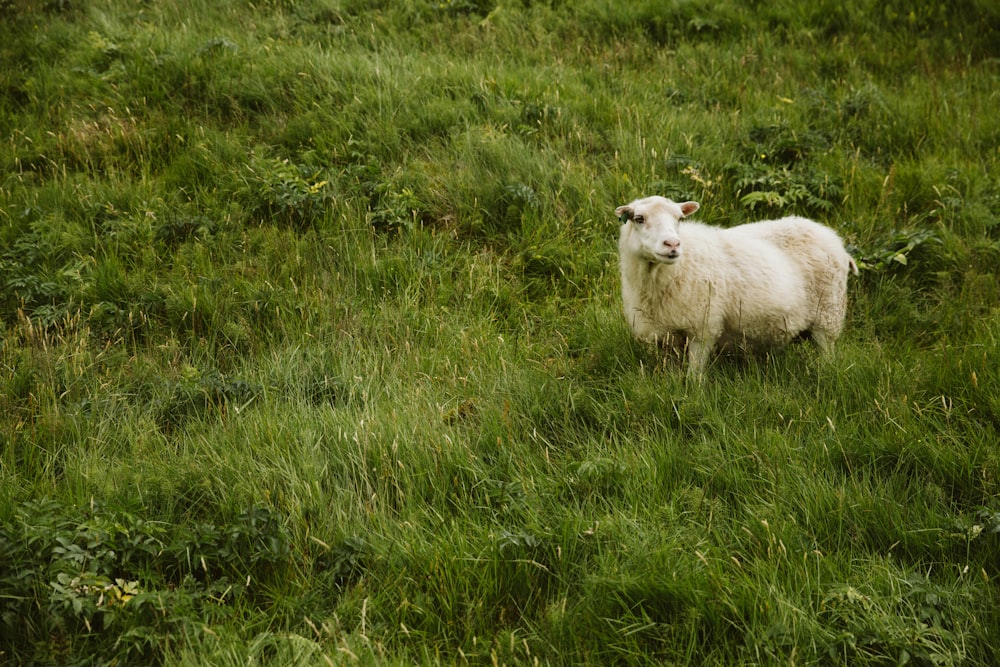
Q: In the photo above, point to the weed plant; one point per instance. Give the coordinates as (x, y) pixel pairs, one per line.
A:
(312, 350)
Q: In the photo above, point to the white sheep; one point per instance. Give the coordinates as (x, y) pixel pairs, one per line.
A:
(757, 285)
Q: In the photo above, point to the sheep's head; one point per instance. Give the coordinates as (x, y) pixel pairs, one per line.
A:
(651, 227)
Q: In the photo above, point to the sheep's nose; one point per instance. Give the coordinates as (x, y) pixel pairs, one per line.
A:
(671, 244)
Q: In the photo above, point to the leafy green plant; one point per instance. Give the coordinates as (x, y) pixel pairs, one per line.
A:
(285, 193)
(395, 209)
(772, 189)
(893, 251)
(919, 628)
(775, 175)
(84, 577)
(29, 285)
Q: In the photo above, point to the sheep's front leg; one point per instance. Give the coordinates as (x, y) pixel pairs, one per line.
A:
(699, 350)
(825, 335)
(824, 341)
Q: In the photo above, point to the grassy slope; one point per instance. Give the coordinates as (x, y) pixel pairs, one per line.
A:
(312, 342)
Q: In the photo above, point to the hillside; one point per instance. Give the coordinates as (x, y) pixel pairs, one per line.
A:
(312, 346)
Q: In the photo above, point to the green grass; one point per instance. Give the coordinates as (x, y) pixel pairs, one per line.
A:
(312, 349)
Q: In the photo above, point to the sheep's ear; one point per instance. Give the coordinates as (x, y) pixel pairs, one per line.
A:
(624, 213)
(689, 207)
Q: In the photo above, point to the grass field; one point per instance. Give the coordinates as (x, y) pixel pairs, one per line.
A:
(312, 346)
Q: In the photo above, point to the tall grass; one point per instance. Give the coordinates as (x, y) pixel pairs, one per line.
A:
(312, 348)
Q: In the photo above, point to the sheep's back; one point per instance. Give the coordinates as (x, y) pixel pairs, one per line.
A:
(814, 246)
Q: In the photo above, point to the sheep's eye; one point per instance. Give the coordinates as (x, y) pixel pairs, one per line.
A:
(639, 219)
